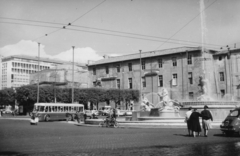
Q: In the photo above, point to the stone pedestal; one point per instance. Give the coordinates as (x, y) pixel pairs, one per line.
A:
(169, 114)
(164, 113)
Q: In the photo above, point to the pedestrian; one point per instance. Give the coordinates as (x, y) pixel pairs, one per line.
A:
(206, 120)
(78, 116)
(195, 124)
(188, 114)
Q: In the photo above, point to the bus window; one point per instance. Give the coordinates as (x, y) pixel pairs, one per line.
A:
(55, 109)
(61, 109)
(65, 108)
(50, 109)
(41, 108)
(81, 109)
(58, 110)
(46, 108)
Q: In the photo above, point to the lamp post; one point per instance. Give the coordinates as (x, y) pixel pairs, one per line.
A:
(73, 77)
(140, 68)
(38, 72)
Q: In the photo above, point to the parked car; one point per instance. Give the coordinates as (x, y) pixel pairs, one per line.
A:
(6, 111)
(231, 124)
(124, 112)
(91, 113)
(104, 110)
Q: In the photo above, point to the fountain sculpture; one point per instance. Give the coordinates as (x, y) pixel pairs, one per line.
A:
(165, 108)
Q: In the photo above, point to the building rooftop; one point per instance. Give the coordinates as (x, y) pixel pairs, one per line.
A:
(144, 55)
(41, 59)
(224, 52)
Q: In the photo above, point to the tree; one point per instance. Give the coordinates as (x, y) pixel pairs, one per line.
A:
(7, 97)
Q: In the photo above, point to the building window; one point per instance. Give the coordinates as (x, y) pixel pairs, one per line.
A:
(118, 83)
(107, 70)
(220, 58)
(130, 66)
(143, 65)
(130, 83)
(160, 63)
(189, 59)
(174, 61)
(190, 95)
(190, 78)
(221, 74)
(174, 79)
(118, 68)
(160, 80)
(144, 82)
(94, 71)
(222, 93)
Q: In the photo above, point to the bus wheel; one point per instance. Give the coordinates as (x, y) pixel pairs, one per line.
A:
(47, 118)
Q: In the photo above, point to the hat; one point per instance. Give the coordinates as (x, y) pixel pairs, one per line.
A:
(205, 106)
(189, 108)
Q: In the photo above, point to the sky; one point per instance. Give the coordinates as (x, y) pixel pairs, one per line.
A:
(115, 27)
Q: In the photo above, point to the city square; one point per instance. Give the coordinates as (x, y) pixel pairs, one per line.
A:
(111, 77)
(18, 137)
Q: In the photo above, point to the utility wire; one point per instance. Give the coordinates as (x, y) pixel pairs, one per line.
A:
(130, 37)
(186, 24)
(73, 21)
(32, 20)
(88, 11)
(142, 35)
(156, 40)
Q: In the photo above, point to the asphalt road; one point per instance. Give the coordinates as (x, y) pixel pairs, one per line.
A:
(18, 137)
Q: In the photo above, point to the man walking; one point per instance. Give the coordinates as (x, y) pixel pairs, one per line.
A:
(206, 117)
(78, 116)
(188, 114)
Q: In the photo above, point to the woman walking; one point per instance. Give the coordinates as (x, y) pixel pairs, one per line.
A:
(195, 124)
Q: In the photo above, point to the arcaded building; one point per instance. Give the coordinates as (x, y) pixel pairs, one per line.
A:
(186, 72)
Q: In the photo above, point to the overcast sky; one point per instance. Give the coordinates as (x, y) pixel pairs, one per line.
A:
(115, 27)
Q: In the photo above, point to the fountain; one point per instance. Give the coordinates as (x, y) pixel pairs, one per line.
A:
(163, 110)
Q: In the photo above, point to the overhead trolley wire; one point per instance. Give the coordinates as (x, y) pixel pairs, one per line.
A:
(95, 32)
(72, 21)
(142, 35)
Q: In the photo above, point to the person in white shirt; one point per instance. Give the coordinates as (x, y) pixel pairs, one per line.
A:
(188, 114)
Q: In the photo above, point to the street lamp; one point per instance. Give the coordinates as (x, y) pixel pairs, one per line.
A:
(38, 72)
(73, 77)
(140, 76)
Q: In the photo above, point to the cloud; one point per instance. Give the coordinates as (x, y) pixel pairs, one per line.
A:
(80, 55)
(30, 48)
(23, 47)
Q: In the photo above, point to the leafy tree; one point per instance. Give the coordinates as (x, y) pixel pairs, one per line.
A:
(7, 97)
(27, 95)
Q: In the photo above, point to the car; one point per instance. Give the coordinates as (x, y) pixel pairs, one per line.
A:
(6, 111)
(91, 113)
(231, 124)
(104, 110)
(124, 112)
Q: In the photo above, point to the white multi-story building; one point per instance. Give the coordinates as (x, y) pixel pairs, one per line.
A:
(15, 70)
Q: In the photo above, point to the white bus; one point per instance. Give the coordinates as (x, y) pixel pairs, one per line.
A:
(58, 111)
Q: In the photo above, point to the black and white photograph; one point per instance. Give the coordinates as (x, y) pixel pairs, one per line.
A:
(119, 78)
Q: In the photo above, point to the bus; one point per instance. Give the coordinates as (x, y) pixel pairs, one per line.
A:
(58, 111)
